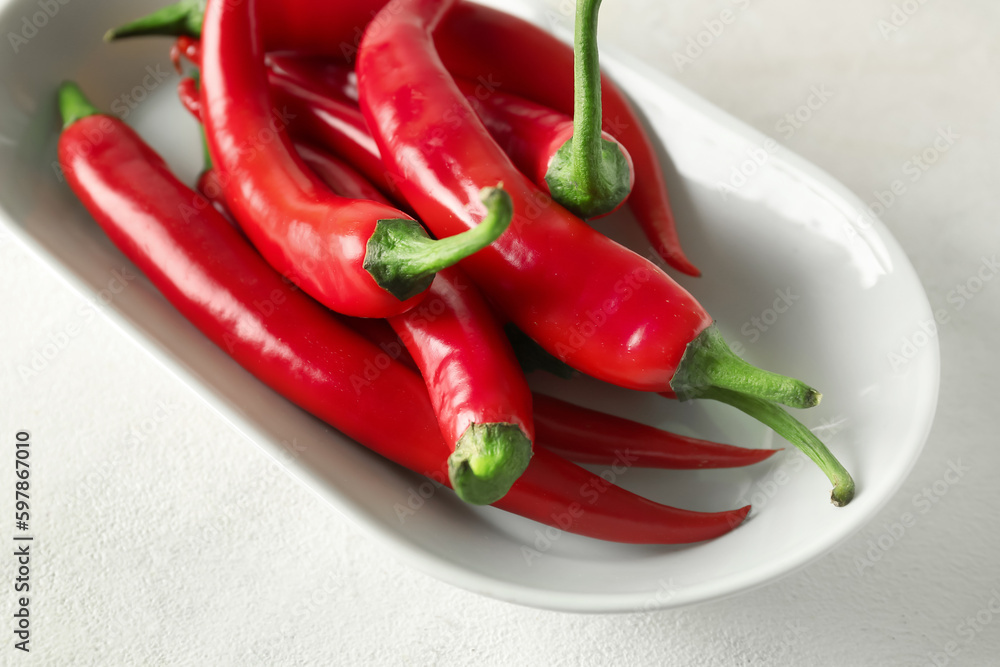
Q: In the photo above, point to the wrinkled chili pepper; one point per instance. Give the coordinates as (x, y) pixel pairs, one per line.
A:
(217, 281)
(589, 301)
(475, 42)
(357, 257)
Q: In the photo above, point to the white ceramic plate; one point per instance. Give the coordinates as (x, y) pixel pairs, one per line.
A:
(790, 239)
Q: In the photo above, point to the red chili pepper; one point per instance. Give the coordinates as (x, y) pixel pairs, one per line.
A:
(186, 46)
(588, 436)
(190, 96)
(357, 257)
(473, 41)
(217, 281)
(478, 391)
(336, 174)
(592, 303)
(644, 339)
(535, 137)
(336, 124)
(476, 386)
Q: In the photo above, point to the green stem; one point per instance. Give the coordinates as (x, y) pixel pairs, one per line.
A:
(794, 432)
(589, 175)
(487, 460)
(587, 92)
(403, 259)
(183, 18)
(73, 104)
(709, 363)
(206, 156)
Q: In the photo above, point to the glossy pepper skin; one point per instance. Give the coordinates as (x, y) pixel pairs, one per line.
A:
(476, 41)
(705, 369)
(479, 393)
(477, 388)
(473, 40)
(328, 168)
(202, 265)
(530, 133)
(317, 89)
(332, 121)
(331, 246)
(592, 303)
(589, 436)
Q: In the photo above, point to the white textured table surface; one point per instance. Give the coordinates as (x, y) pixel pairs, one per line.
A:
(165, 538)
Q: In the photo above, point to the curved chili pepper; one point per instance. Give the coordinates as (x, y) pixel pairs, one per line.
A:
(357, 257)
(335, 173)
(217, 281)
(642, 342)
(589, 301)
(536, 138)
(476, 386)
(539, 140)
(473, 41)
(589, 436)
(333, 123)
(480, 397)
(318, 118)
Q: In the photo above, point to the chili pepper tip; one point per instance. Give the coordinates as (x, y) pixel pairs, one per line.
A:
(487, 460)
(73, 104)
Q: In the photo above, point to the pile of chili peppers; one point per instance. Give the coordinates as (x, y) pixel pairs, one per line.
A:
(393, 249)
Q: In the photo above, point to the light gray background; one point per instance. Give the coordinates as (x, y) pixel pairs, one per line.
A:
(166, 538)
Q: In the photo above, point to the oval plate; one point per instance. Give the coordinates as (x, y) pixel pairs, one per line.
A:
(800, 280)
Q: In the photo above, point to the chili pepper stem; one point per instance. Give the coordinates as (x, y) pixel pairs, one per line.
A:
(403, 259)
(589, 175)
(709, 363)
(182, 18)
(794, 432)
(487, 460)
(73, 104)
